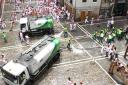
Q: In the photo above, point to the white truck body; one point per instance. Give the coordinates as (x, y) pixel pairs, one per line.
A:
(24, 24)
(30, 63)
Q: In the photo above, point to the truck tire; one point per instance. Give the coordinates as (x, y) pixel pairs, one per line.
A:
(52, 31)
(30, 82)
(57, 56)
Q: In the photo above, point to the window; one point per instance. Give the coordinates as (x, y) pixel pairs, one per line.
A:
(22, 77)
(94, 0)
(84, 0)
(9, 76)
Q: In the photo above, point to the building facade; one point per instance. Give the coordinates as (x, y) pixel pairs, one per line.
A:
(83, 8)
(94, 8)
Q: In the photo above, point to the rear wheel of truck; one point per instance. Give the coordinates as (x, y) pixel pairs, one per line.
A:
(56, 57)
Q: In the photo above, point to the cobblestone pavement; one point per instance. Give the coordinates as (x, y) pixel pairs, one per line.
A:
(88, 72)
(83, 63)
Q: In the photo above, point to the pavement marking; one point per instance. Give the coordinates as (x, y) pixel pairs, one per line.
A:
(101, 46)
(73, 62)
(80, 37)
(89, 34)
(122, 52)
(79, 44)
(14, 30)
(26, 2)
(102, 22)
(16, 46)
(106, 72)
(19, 11)
(101, 58)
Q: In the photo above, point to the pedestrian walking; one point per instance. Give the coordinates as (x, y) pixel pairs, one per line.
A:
(126, 38)
(13, 19)
(107, 50)
(4, 37)
(69, 82)
(112, 65)
(3, 59)
(69, 44)
(68, 16)
(92, 21)
(71, 26)
(86, 20)
(112, 23)
(53, 81)
(57, 18)
(65, 32)
(108, 24)
(81, 83)
(27, 38)
(74, 84)
(74, 26)
(102, 49)
(21, 37)
(0, 24)
(126, 51)
(3, 24)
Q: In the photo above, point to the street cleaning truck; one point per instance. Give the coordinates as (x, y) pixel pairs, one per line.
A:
(28, 65)
(40, 26)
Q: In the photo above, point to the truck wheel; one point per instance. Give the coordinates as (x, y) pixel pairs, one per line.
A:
(56, 57)
(52, 31)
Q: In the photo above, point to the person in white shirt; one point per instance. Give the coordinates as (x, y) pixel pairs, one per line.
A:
(3, 25)
(69, 82)
(71, 26)
(21, 37)
(3, 59)
(74, 26)
(92, 21)
(68, 16)
(27, 39)
(86, 20)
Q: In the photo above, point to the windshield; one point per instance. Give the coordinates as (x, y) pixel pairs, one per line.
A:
(22, 26)
(9, 76)
(21, 77)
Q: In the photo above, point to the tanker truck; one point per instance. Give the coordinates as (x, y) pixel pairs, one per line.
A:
(28, 65)
(40, 26)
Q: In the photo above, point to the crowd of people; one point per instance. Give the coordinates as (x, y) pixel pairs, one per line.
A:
(70, 82)
(119, 69)
(43, 8)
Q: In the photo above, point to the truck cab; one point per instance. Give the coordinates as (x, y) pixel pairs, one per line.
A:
(40, 26)
(24, 24)
(29, 64)
(14, 73)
